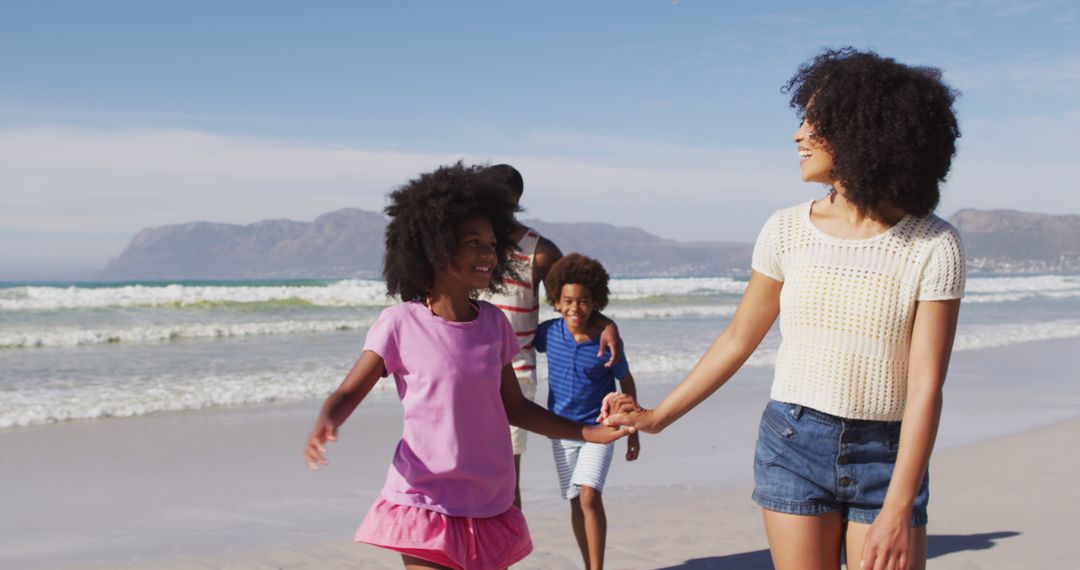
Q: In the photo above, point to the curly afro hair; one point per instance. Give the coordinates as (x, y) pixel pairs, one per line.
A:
(577, 269)
(891, 128)
(422, 236)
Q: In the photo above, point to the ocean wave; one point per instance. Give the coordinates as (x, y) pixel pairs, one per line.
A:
(29, 407)
(64, 401)
(632, 289)
(70, 337)
(973, 337)
(372, 293)
(349, 293)
(1039, 283)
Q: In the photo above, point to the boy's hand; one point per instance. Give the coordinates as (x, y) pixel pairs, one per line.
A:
(323, 432)
(604, 434)
(633, 447)
(617, 403)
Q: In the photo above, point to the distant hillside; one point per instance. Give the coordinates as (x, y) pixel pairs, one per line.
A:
(349, 243)
(1008, 241)
(345, 243)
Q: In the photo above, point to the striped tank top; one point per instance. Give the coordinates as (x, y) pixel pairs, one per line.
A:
(520, 305)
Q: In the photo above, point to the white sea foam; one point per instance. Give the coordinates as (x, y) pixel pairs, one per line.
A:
(971, 337)
(349, 293)
(63, 401)
(167, 393)
(69, 336)
(628, 289)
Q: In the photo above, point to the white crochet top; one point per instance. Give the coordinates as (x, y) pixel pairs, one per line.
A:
(847, 308)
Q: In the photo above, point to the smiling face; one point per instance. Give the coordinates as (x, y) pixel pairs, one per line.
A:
(474, 259)
(576, 306)
(815, 160)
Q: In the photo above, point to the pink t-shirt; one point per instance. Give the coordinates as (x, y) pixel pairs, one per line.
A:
(455, 455)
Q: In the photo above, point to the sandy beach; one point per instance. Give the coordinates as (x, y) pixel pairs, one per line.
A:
(225, 488)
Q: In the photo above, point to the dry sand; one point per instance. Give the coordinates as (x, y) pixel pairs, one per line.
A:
(227, 488)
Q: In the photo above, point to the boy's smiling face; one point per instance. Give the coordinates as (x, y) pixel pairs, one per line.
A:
(576, 306)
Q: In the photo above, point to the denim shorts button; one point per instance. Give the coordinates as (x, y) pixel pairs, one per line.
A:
(843, 460)
(845, 481)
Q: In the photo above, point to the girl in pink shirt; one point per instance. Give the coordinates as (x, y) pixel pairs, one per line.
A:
(448, 497)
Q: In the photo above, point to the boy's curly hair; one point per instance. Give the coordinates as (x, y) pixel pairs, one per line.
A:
(577, 269)
(891, 128)
(422, 235)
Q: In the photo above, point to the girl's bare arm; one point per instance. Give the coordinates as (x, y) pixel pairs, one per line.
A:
(527, 415)
(339, 405)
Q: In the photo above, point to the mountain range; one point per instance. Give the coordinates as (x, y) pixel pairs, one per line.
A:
(347, 243)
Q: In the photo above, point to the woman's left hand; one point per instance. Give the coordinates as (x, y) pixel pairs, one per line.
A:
(888, 542)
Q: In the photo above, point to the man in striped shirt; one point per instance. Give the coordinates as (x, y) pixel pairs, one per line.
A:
(521, 305)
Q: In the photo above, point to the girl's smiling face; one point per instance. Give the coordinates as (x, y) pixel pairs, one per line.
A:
(474, 258)
(815, 160)
(576, 306)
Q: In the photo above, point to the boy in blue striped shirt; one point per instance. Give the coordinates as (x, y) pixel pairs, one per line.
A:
(578, 380)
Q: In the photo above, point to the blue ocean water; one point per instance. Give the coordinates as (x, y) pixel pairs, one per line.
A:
(77, 351)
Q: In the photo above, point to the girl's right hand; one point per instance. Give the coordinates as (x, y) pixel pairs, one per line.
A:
(604, 434)
(324, 431)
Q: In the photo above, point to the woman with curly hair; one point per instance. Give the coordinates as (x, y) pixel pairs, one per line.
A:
(448, 497)
(867, 284)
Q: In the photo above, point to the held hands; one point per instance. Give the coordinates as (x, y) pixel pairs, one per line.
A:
(603, 434)
(619, 409)
(887, 542)
(324, 431)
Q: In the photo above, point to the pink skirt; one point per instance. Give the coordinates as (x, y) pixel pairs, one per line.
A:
(462, 543)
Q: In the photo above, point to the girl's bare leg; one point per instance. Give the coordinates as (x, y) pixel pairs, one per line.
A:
(414, 563)
(799, 542)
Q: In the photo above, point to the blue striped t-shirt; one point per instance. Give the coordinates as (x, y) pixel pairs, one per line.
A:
(577, 378)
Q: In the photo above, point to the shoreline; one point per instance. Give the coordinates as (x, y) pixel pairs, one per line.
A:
(699, 528)
(227, 487)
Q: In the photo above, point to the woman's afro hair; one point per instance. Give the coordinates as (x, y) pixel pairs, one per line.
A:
(890, 127)
(425, 215)
(577, 269)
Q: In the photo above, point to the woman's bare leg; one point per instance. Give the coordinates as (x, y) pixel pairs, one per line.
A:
(856, 537)
(799, 542)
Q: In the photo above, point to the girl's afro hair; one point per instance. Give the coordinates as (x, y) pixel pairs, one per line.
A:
(422, 236)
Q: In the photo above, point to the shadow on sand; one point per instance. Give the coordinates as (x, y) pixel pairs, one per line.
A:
(937, 545)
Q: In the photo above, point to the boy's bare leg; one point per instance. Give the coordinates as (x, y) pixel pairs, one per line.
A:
(577, 521)
(592, 506)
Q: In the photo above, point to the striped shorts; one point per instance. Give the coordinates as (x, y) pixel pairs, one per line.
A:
(580, 463)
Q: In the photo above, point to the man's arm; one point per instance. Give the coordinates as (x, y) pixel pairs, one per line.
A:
(547, 253)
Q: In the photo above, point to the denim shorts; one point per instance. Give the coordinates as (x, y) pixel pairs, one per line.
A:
(810, 463)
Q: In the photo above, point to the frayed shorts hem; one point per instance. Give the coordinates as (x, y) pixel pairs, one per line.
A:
(810, 508)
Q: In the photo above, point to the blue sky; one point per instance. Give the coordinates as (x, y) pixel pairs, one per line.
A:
(116, 116)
